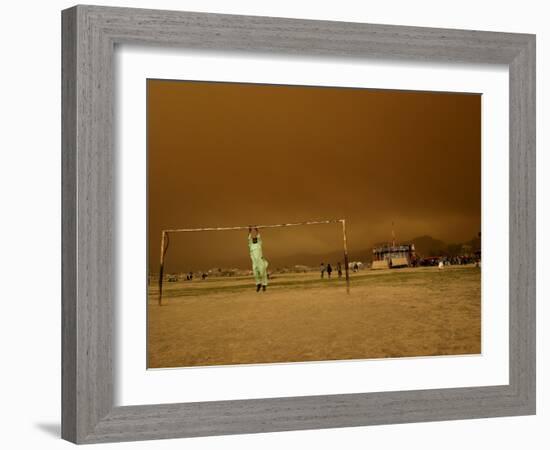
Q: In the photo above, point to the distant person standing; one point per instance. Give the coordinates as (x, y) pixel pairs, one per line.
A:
(322, 268)
(355, 267)
(329, 270)
(339, 269)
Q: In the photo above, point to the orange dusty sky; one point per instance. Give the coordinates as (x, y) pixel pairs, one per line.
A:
(228, 154)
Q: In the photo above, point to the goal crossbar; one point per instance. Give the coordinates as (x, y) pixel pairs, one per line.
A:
(165, 240)
(315, 222)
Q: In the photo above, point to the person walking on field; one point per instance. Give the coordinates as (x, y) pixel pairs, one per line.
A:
(329, 270)
(339, 269)
(259, 263)
(323, 268)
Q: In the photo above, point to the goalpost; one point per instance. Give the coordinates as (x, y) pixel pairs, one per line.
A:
(164, 242)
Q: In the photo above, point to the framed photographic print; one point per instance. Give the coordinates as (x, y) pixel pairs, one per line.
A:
(268, 222)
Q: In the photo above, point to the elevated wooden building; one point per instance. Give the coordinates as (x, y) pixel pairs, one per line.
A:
(392, 256)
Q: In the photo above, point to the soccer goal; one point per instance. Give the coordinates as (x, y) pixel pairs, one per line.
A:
(165, 241)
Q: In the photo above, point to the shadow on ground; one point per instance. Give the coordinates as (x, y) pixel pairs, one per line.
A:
(53, 429)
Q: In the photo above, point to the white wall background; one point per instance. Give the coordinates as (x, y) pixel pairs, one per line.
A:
(31, 239)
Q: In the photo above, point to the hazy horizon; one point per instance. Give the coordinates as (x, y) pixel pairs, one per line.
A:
(312, 259)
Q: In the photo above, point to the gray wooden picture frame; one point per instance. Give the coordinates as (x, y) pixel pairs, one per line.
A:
(89, 37)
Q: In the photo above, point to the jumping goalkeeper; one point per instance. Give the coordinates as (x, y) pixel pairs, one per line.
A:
(259, 263)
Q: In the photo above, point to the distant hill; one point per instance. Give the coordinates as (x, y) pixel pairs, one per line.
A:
(429, 246)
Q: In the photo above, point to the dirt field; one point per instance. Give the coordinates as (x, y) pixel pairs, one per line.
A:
(391, 313)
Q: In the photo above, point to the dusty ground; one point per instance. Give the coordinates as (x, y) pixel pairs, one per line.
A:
(392, 313)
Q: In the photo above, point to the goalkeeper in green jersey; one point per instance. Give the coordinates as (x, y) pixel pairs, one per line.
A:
(259, 263)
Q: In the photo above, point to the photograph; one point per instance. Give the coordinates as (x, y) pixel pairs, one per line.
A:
(293, 223)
